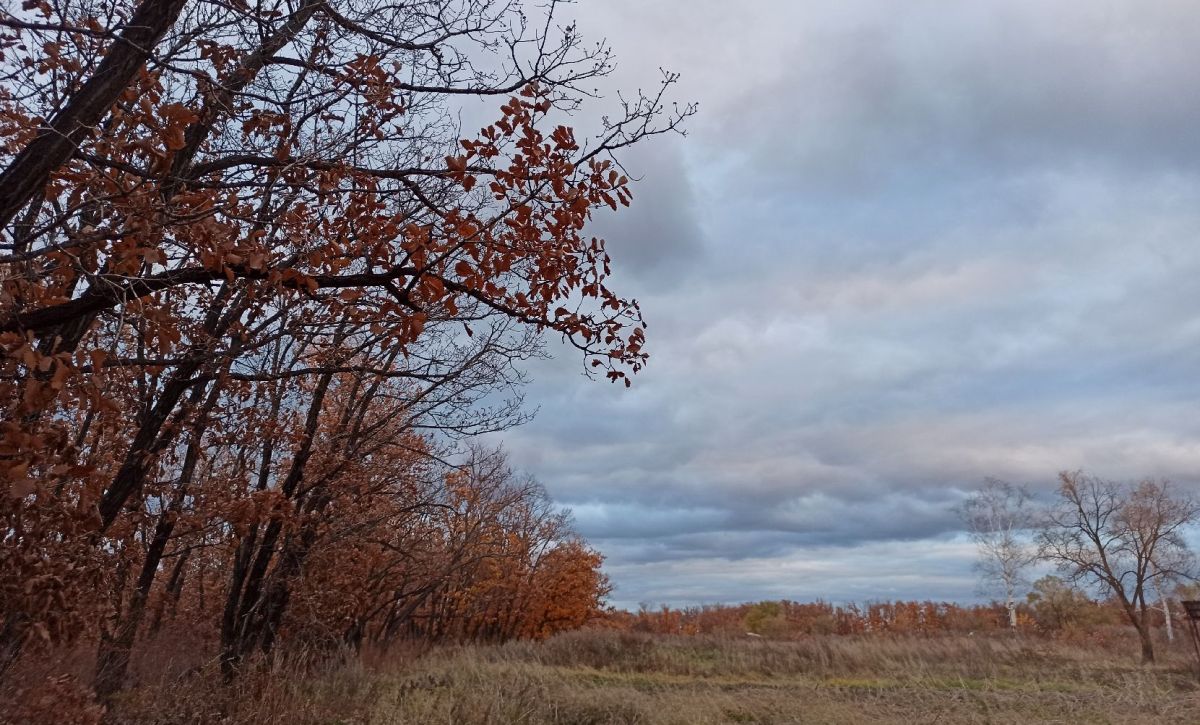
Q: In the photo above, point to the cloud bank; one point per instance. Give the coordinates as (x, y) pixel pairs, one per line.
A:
(905, 246)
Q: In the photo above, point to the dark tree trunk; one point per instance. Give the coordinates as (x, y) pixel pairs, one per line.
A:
(1147, 644)
(250, 592)
(112, 659)
(28, 173)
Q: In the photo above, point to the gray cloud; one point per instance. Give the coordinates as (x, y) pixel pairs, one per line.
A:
(658, 239)
(870, 572)
(907, 246)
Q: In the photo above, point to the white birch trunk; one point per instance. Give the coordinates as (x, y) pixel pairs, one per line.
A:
(1166, 608)
(1011, 605)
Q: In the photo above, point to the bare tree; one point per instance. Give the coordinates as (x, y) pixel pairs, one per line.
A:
(1123, 538)
(998, 516)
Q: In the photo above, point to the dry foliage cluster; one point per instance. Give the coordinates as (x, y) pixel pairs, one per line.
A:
(257, 287)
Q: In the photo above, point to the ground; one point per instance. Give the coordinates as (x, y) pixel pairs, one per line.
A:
(595, 678)
(629, 679)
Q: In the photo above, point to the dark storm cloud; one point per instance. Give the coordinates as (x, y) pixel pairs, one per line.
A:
(906, 246)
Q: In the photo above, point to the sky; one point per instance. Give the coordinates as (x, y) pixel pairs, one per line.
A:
(904, 246)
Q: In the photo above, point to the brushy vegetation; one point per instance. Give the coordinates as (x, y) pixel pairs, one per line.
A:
(601, 677)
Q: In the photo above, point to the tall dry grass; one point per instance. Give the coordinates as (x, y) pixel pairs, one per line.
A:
(597, 678)
(602, 677)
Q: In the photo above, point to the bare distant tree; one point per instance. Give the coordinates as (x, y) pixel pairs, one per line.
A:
(1171, 560)
(998, 516)
(1124, 538)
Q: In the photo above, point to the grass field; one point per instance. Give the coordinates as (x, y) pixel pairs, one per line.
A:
(592, 678)
(589, 678)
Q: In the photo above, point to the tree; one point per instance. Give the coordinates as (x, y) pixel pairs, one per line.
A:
(1057, 604)
(999, 517)
(1120, 537)
(766, 619)
(248, 255)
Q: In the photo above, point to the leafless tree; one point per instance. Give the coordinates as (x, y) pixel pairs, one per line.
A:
(1122, 537)
(999, 517)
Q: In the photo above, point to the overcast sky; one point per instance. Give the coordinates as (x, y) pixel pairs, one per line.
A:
(905, 246)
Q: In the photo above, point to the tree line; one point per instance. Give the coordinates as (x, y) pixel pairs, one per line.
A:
(259, 288)
(1052, 608)
(1120, 550)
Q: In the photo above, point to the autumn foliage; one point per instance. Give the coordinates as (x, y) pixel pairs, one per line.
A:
(258, 289)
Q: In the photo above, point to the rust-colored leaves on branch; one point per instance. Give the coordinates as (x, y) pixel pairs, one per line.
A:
(257, 293)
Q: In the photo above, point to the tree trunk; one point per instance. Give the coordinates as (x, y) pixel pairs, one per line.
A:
(170, 595)
(1147, 643)
(28, 173)
(251, 589)
(1170, 626)
(1166, 610)
(112, 659)
(1011, 605)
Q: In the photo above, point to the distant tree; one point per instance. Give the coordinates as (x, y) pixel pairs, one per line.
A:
(1123, 538)
(1057, 604)
(766, 618)
(1188, 590)
(999, 517)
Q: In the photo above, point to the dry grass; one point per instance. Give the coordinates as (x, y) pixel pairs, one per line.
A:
(606, 677)
(296, 690)
(614, 678)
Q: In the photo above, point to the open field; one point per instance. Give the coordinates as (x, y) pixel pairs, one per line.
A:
(606, 677)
